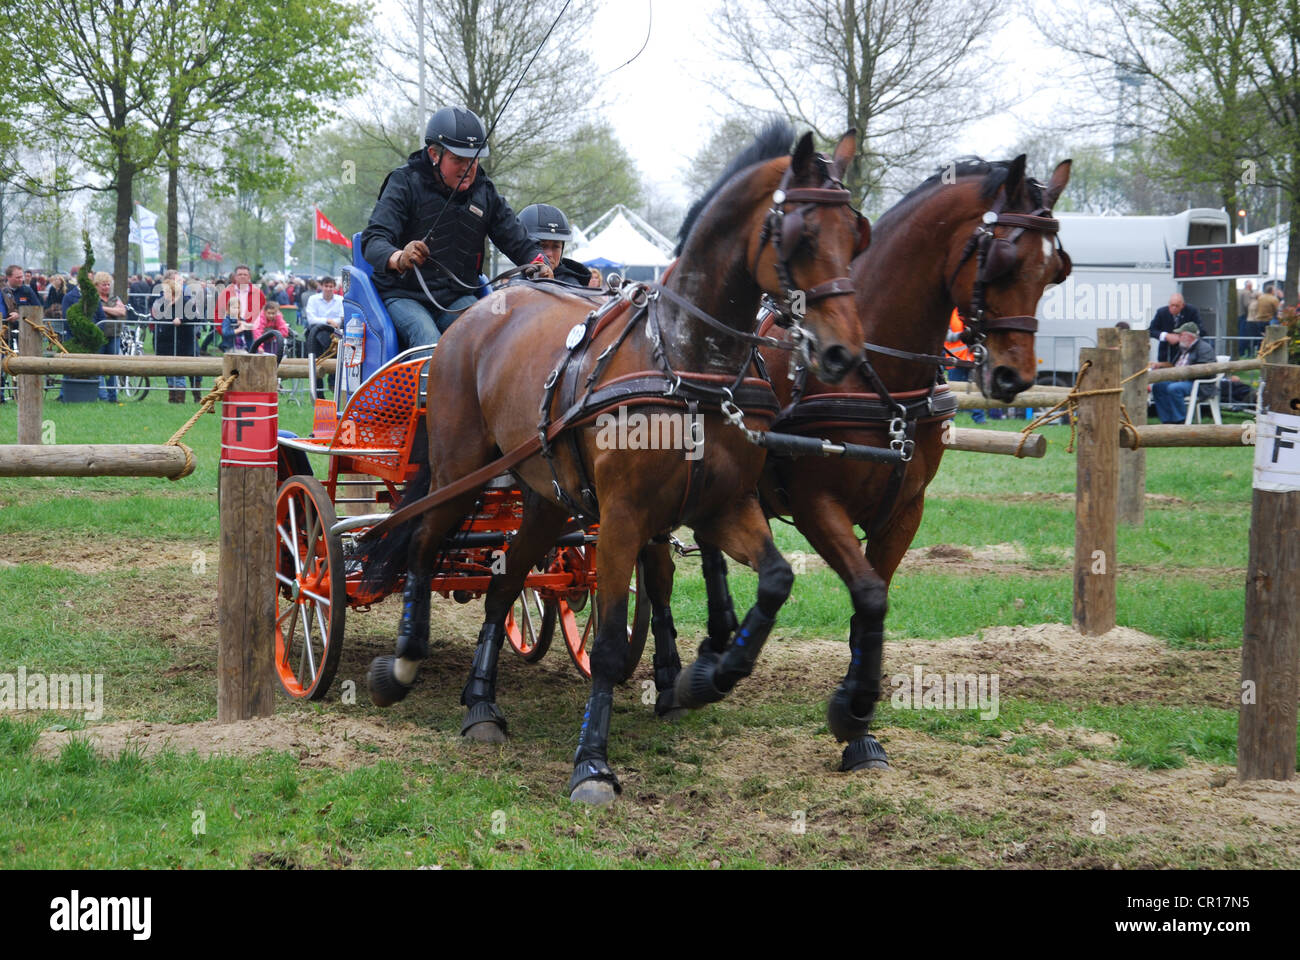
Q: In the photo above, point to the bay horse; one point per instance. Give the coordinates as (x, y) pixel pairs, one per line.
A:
(982, 240)
(775, 223)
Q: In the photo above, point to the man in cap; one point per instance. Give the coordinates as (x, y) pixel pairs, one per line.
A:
(1171, 395)
(431, 223)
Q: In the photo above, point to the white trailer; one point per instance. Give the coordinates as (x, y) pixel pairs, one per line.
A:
(1123, 270)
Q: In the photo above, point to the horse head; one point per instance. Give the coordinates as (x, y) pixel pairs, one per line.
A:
(802, 233)
(1006, 253)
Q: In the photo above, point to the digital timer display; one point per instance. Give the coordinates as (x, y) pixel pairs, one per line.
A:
(1219, 262)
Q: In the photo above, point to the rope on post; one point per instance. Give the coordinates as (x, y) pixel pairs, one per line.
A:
(207, 405)
(47, 332)
(1070, 405)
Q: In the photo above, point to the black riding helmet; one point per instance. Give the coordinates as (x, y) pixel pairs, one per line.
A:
(545, 222)
(458, 130)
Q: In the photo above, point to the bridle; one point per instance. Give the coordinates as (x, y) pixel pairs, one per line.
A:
(995, 258)
(788, 231)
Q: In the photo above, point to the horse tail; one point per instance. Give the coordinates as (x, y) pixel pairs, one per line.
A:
(385, 560)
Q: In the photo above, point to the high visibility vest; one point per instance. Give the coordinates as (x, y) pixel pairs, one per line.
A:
(959, 349)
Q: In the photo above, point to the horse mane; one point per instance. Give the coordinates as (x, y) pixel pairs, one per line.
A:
(775, 140)
(994, 173)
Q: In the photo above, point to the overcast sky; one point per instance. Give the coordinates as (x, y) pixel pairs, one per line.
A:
(665, 108)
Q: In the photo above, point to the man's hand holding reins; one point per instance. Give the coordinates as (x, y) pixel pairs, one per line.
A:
(412, 255)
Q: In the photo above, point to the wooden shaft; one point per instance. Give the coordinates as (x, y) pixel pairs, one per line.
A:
(1033, 397)
(1270, 650)
(100, 365)
(246, 583)
(1201, 371)
(31, 389)
(1133, 350)
(1096, 492)
(91, 460)
(1193, 435)
(993, 441)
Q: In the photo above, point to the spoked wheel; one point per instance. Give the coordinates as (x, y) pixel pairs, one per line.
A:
(530, 625)
(133, 388)
(311, 600)
(580, 638)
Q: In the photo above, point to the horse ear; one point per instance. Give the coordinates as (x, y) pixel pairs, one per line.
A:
(844, 153)
(1060, 177)
(1015, 181)
(801, 164)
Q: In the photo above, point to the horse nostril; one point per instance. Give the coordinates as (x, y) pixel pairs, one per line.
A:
(1007, 382)
(836, 361)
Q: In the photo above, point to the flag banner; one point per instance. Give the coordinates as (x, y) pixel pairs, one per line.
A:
(288, 245)
(148, 238)
(327, 231)
(210, 254)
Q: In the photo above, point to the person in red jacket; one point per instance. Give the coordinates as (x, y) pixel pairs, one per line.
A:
(241, 301)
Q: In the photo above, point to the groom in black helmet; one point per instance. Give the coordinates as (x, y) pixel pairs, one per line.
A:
(440, 189)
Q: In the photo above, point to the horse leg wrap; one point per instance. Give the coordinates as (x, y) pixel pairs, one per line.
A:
(667, 663)
(710, 679)
(864, 753)
(852, 706)
(413, 631)
(589, 763)
(722, 622)
(482, 684)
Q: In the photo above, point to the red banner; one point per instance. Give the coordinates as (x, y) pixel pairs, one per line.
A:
(210, 254)
(249, 429)
(327, 231)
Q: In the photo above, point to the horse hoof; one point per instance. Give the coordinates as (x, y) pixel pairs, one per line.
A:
(667, 708)
(484, 723)
(385, 689)
(486, 732)
(594, 793)
(864, 753)
(695, 687)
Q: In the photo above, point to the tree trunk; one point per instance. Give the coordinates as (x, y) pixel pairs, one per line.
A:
(1292, 276)
(173, 175)
(122, 224)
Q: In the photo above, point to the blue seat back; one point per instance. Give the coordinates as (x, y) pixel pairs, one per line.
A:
(363, 300)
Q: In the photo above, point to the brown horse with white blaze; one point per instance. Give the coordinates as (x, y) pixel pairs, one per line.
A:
(514, 353)
(984, 243)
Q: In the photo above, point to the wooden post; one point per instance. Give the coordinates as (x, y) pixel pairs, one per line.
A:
(31, 389)
(1096, 490)
(1134, 351)
(246, 582)
(1270, 650)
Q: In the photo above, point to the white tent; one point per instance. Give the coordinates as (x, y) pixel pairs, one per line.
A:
(1274, 265)
(622, 240)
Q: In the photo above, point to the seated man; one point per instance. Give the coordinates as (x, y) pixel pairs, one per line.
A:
(1171, 395)
(440, 194)
(550, 228)
(1164, 322)
(323, 318)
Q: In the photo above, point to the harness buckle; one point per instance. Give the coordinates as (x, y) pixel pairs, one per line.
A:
(550, 381)
(673, 387)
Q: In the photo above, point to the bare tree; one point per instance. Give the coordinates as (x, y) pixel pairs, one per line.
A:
(475, 51)
(905, 73)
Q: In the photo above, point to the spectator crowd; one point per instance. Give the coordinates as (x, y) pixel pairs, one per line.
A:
(187, 315)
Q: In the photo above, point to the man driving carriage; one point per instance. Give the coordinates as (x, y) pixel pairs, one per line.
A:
(431, 223)
(550, 228)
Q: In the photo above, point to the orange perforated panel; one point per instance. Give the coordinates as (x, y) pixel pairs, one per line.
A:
(382, 415)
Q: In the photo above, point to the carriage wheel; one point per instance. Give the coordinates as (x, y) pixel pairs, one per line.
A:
(530, 625)
(578, 639)
(311, 602)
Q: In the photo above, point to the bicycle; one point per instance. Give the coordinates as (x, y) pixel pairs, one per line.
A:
(132, 340)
